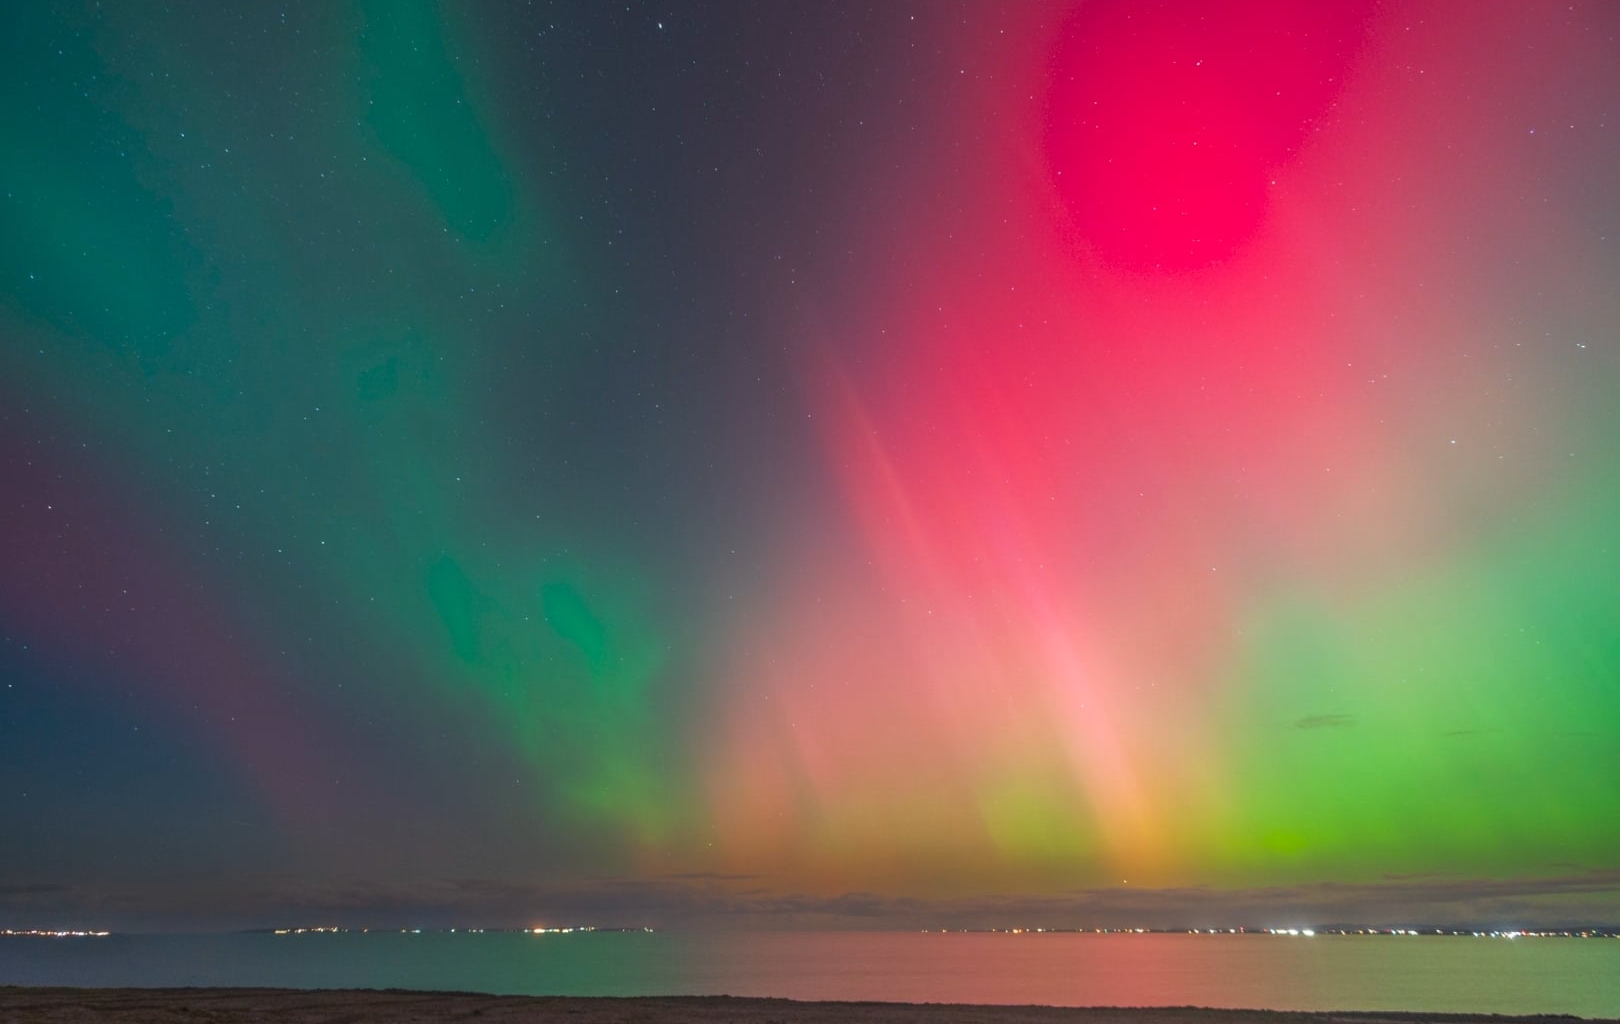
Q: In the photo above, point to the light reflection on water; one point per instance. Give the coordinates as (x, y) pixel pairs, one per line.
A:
(1327, 972)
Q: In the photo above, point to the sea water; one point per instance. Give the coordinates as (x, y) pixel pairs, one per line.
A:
(1428, 973)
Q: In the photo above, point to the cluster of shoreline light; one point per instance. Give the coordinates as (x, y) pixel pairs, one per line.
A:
(1090, 931)
(46, 933)
(335, 930)
(1514, 933)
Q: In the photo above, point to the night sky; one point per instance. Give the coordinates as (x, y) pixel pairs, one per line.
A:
(827, 464)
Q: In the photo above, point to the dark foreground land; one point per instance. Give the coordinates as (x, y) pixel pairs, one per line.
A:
(287, 1006)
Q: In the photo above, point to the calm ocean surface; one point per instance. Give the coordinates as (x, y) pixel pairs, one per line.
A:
(1327, 972)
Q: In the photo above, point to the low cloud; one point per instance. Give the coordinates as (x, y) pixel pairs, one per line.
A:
(10, 893)
(1325, 722)
(718, 900)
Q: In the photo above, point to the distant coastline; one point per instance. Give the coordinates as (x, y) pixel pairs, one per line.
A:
(1454, 931)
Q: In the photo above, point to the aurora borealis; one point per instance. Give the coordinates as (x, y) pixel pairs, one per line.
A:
(867, 463)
